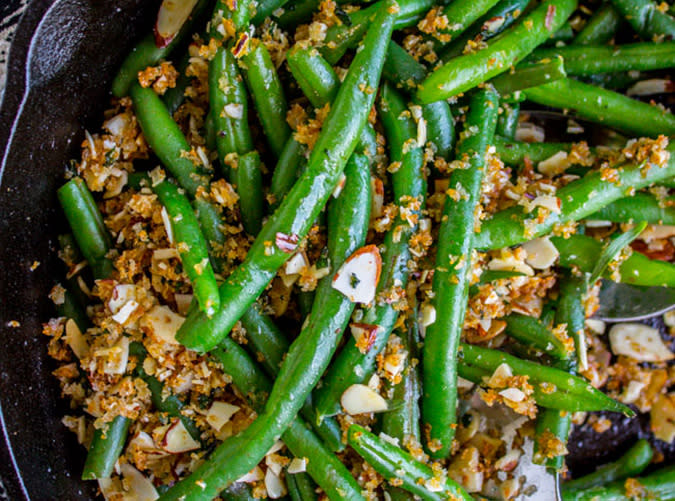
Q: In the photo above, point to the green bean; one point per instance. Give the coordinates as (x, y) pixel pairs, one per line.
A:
(148, 53)
(639, 207)
(570, 312)
(239, 16)
(582, 252)
(191, 246)
(494, 22)
(167, 403)
(340, 38)
(174, 96)
(601, 27)
(210, 221)
(210, 132)
(267, 93)
(248, 180)
(298, 12)
(532, 332)
(657, 485)
(315, 76)
(527, 75)
(291, 161)
(166, 139)
(326, 469)
(238, 491)
(646, 19)
(632, 463)
(351, 366)
(564, 34)
(229, 107)
(87, 225)
(397, 465)
(467, 71)
(461, 14)
(604, 107)
(297, 212)
(578, 200)
(507, 123)
(451, 277)
(265, 8)
(402, 422)
(587, 60)
(301, 487)
(402, 70)
(514, 153)
(581, 392)
(71, 309)
(105, 448)
(613, 248)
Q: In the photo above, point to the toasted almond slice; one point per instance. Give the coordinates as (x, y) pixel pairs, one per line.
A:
(377, 197)
(276, 488)
(513, 394)
(275, 463)
(297, 465)
(530, 133)
(138, 486)
(365, 335)
(183, 302)
(510, 264)
(255, 475)
(541, 253)
(554, 165)
(427, 314)
(640, 342)
(122, 316)
(76, 340)
(360, 399)
(296, 263)
(162, 324)
(220, 413)
(116, 357)
(121, 295)
(171, 16)
(276, 447)
(597, 326)
(177, 439)
(340, 185)
(358, 276)
(650, 87)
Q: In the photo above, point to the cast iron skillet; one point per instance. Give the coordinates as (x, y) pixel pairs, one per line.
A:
(63, 57)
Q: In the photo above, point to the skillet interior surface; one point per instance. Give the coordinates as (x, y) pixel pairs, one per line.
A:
(63, 57)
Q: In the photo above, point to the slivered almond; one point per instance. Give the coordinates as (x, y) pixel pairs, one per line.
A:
(276, 487)
(76, 340)
(360, 399)
(255, 475)
(296, 263)
(137, 486)
(358, 276)
(162, 324)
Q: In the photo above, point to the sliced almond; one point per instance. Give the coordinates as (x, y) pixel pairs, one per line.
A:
(663, 418)
(286, 243)
(297, 465)
(640, 342)
(276, 447)
(377, 207)
(115, 357)
(138, 487)
(650, 87)
(632, 392)
(510, 263)
(171, 17)
(296, 263)
(365, 335)
(541, 253)
(162, 324)
(255, 475)
(508, 461)
(669, 318)
(275, 462)
(183, 302)
(513, 394)
(122, 316)
(427, 314)
(597, 326)
(276, 488)
(554, 165)
(530, 133)
(177, 439)
(121, 295)
(358, 276)
(657, 232)
(76, 340)
(220, 413)
(360, 399)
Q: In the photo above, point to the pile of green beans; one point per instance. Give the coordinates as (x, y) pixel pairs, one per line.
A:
(489, 60)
